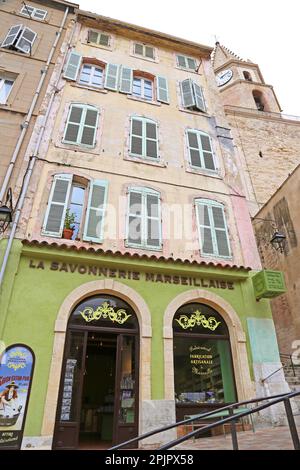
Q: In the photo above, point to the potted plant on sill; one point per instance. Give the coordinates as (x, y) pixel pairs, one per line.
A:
(68, 226)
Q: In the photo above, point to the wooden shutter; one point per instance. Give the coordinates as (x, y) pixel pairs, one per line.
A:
(207, 153)
(104, 40)
(111, 77)
(220, 229)
(187, 93)
(73, 66)
(191, 63)
(205, 229)
(139, 49)
(126, 79)
(181, 61)
(94, 223)
(162, 89)
(11, 35)
(149, 52)
(137, 137)
(152, 220)
(134, 218)
(150, 139)
(199, 98)
(26, 40)
(73, 126)
(57, 205)
(194, 150)
(93, 37)
(89, 127)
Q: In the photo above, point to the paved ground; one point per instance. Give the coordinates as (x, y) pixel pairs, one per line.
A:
(278, 438)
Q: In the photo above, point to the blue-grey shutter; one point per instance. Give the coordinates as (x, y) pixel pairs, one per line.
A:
(199, 98)
(126, 79)
(205, 229)
(111, 77)
(94, 223)
(162, 89)
(73, 66)
(26, 40)
(187, 93)
(57, 205)
(153, 221)
(134, 218)
(220, 231)
(11, 35)
(207, 152)
(88, 136)
(181, 61)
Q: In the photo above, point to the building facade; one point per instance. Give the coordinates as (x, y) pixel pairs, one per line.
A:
(148, 312)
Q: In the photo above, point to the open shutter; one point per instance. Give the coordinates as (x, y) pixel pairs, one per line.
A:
(57, 205)
(88, 136)
(111, 77)
(11, 35)
(26, 40)
(94, 223)
(150, 133)
(153, 221)
(126, 79)
(134, 218)
(199, 98)
(205, 229)
(220, 228)
(73, 66)
(187, 93)
(162, 89)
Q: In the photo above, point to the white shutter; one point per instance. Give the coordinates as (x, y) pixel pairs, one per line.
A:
(94, 223)
(221, 235)
(150, 139)
(126, 79)
(137, 137)
(199, 98)
(207, 153)
(187, 93)
(181, 61)
(153, 220)
(26, 40)
(139, 49)
(57, 205)
(111, 77)
(88, 135)
(205, 229)
(162, 89)
(11, 35)
(134, 218)
(73, 66)
(194, 150)
(149, 52)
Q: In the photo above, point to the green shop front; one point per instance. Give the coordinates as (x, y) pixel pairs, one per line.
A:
(124, 343)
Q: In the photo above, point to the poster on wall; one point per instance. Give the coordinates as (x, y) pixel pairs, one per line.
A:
(16, 372)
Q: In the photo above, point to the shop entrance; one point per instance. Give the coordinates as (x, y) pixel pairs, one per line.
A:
(98, 399)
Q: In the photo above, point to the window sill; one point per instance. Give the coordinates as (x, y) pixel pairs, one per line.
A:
(188, 70)
(159, 163)
(89, 87)
(136, 56)
(141, 100)
(196, 113)
(68, 241)
(203, 172)
(144, 248)
(97, 46)
(214, 257)
(77, 148)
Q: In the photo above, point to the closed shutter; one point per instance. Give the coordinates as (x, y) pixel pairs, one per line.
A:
(199, 98)
(73, 66)
(81, 125)
(40, 14)
(221, 236)
(194, 150)
(150, 132)
(187, 93)
(93, 37)
(94, 223)
(134, 219)
(88, 136)
(149, 52)
(191, 63)
(104, 40)
(57, 205)
(26, 40)
(139, 49)
(205, 229)
(207, 152)
(111, 77)
(126, 79)
(162, 89)
(136, 141)
(153, 221)
(181, 62)
(11, 35)
(72, 132)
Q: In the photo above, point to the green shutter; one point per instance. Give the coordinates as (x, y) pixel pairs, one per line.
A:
(144, 138)
(149, 52)
(191, 63)
(150, 139)
(57, 205)
(137, 137)
(153, 221)
(205, 229)
(220, 228)
(126, 78)
(199, 98)
(134, 218)
(81, 125)
(194, 150)
(88, 136)
(181, 61)
(111, 77)
(212, 228)
(207, 153)
(73, 66)
(187, 93)
(162, 89)
(94, 223)
(139, 49)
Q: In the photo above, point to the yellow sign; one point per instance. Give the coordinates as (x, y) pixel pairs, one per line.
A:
(197, 318)
(105, 311)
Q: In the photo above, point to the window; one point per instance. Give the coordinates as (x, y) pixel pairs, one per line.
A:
(86, 202)
(142, 88)
(142, 85)
(81, 125)
(247, 76)
(91, 75)
(101, 39)
(144, 51)
(192, 95)
(144, 138)
(19, 38)
(258, 98)
(6, 85)
(144, 219)
(212, 228)
(185, 62)
(32, 12)
(200, 150)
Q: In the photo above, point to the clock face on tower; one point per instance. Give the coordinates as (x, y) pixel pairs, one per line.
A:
(224, 77)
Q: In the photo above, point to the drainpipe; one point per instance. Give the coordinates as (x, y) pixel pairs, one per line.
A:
(26, 123)
(33, 158)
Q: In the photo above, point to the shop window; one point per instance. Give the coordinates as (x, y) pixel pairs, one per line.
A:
(247, 76)
(212, 228)
(200, 150)
(147, 52)
(85, 202)
(19, 38)
(100, 39)
(33, 12)
(185, 62)
(259, 101)
(192, 96)
(91, 75)
(144, 138)
(81, 125)
(6, 85)
(144, 219)
(203, 368)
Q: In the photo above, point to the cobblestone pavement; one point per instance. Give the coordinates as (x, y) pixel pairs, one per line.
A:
(278, 438)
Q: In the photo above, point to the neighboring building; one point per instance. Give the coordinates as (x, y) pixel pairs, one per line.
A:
(148, 312)
(268, 142)
(29, 46)
(283, 208)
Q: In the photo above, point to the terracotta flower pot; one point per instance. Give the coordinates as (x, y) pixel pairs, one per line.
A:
(67, 233)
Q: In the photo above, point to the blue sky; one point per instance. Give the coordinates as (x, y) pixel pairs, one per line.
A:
(263, 31)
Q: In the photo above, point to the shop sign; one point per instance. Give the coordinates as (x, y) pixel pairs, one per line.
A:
(105, 311)
(268, 284)
(199, 319)
(16, 372)
(201, 360)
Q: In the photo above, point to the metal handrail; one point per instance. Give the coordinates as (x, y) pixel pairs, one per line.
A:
(232, 419)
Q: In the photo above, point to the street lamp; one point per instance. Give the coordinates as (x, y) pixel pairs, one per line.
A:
(6, 212)
(278, 238)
